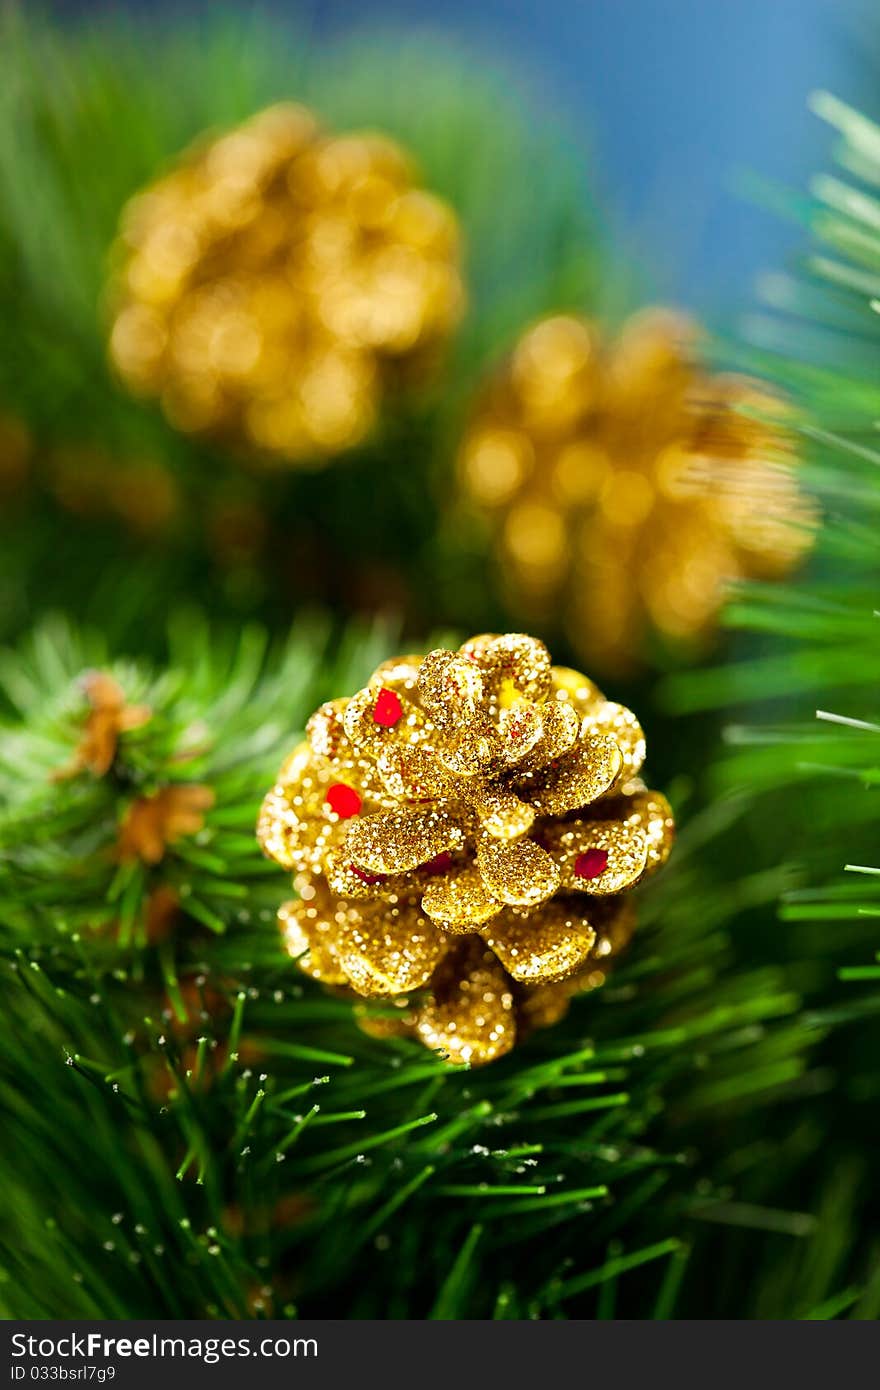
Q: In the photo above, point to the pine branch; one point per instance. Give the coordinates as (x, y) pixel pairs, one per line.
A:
(813, 772)
(226, 1138)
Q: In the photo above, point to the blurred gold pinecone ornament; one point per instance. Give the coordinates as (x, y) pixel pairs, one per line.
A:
(462, 833)
(279, 281)
(625, 486)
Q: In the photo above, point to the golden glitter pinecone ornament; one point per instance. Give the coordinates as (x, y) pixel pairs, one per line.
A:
(274, 285)
(626, 486)
(466, 827)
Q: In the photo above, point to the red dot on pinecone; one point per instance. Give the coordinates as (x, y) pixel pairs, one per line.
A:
(591, 864)
(344, 800)
(388, 708)
(440, 863)
(365, 877)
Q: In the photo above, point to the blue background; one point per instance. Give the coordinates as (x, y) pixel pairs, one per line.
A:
(673, 102)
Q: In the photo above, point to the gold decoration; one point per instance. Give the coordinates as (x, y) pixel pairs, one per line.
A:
(277, 282)
(626, 486)
(153, 822)
(109, 716)
(474, 1011)
(466, 825)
